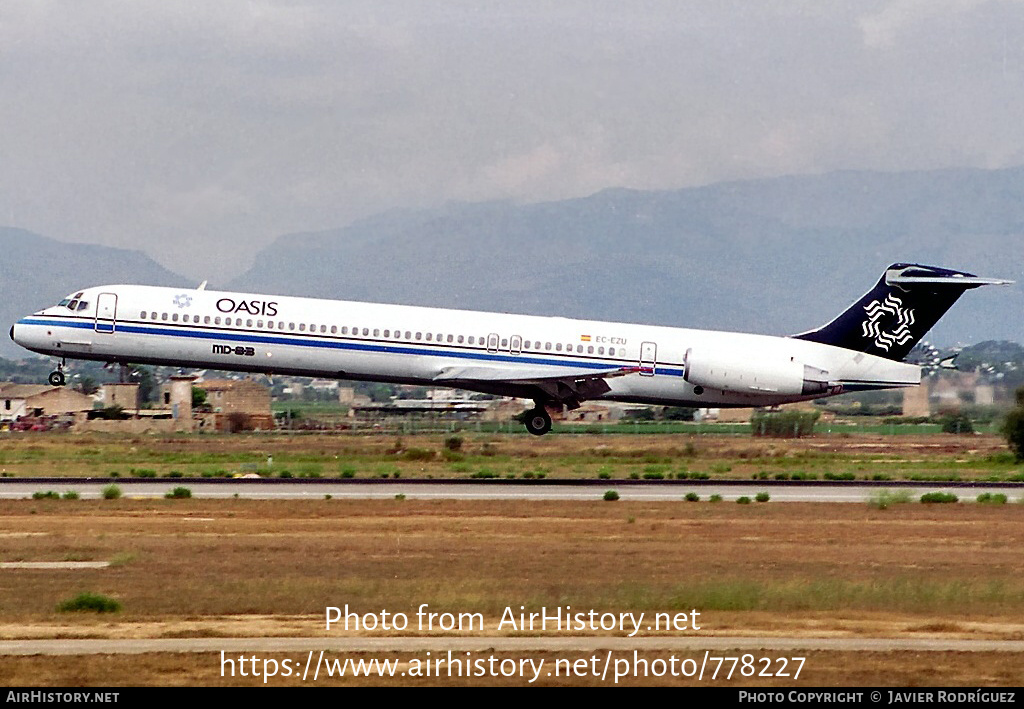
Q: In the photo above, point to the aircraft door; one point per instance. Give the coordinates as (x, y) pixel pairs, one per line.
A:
(516, 344)
(492, 342)
(648, 358)
(106, 312)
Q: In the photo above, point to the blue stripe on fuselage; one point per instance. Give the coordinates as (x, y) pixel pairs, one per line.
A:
(333, 344)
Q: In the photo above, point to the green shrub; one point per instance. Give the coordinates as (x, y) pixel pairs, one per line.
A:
(744, 500)
(603, 475)
(611, 496)
(654, 476)
(1013, 427)
(178, 493)
(400, 496)
(989, 498)
(70, 495)
(783, 424)
(142, 473)
(49, 495)
(111, 492)
(715, 498)
(884, 499)
(418, 454)
(939, 497)
(692, 497)
(957, 423)
(348, 472)
(453, 443)
(93, 602)
(762, 497)
(452, 456)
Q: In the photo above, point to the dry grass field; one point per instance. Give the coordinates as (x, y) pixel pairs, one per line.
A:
(201, 568)
(251, 568)
(870, 456)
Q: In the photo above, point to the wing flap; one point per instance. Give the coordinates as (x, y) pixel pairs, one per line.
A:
(569, 387)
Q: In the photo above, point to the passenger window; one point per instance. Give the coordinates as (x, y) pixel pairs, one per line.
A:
(302, 327)
(547, 346)
(611, 351)
(366, 332)
(430, 337)
(376, 332)
(334, 329)
(248, 323)
(600, 350)
(270, 324)
(142, 315)
(387, 333)
(558, 347)
(450, 338)
(291, 326)
(419, 335)
(408, 335)
(460, 339)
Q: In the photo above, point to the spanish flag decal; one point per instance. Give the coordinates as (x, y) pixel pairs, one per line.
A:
(585, 338)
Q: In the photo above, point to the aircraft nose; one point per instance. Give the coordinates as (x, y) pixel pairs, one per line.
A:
(12, 332)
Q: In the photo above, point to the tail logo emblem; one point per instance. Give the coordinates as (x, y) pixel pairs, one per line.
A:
(900, 333)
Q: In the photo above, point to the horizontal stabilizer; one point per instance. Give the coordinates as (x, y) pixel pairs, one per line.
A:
(894, 315)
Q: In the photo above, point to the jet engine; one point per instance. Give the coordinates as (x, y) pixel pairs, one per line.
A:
(752, 373)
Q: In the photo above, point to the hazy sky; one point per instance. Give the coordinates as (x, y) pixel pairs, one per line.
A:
(200, 131)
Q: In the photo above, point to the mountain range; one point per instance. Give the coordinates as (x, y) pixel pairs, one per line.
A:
(777, 256)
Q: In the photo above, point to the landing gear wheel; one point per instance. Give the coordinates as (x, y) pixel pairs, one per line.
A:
(56, 379)
(538, 421)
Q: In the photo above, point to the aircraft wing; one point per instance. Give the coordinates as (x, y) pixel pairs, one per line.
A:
(568, 387)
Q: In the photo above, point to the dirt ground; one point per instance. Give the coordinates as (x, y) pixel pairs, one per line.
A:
(251, 568)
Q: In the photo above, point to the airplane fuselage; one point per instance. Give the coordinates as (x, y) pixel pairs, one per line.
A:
(511, 355)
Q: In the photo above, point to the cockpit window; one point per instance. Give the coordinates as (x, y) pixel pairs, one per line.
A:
(73, 302)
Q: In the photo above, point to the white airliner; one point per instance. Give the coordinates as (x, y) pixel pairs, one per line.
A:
(554, 361)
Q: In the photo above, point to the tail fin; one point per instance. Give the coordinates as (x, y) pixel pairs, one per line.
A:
(894, 315)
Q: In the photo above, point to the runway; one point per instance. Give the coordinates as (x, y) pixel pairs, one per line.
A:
(628, 490)
(496, 490)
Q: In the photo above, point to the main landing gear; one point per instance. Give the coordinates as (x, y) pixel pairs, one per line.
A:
(57, 378)
(538, 421)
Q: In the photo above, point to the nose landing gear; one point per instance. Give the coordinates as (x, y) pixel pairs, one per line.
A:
(57, 378)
